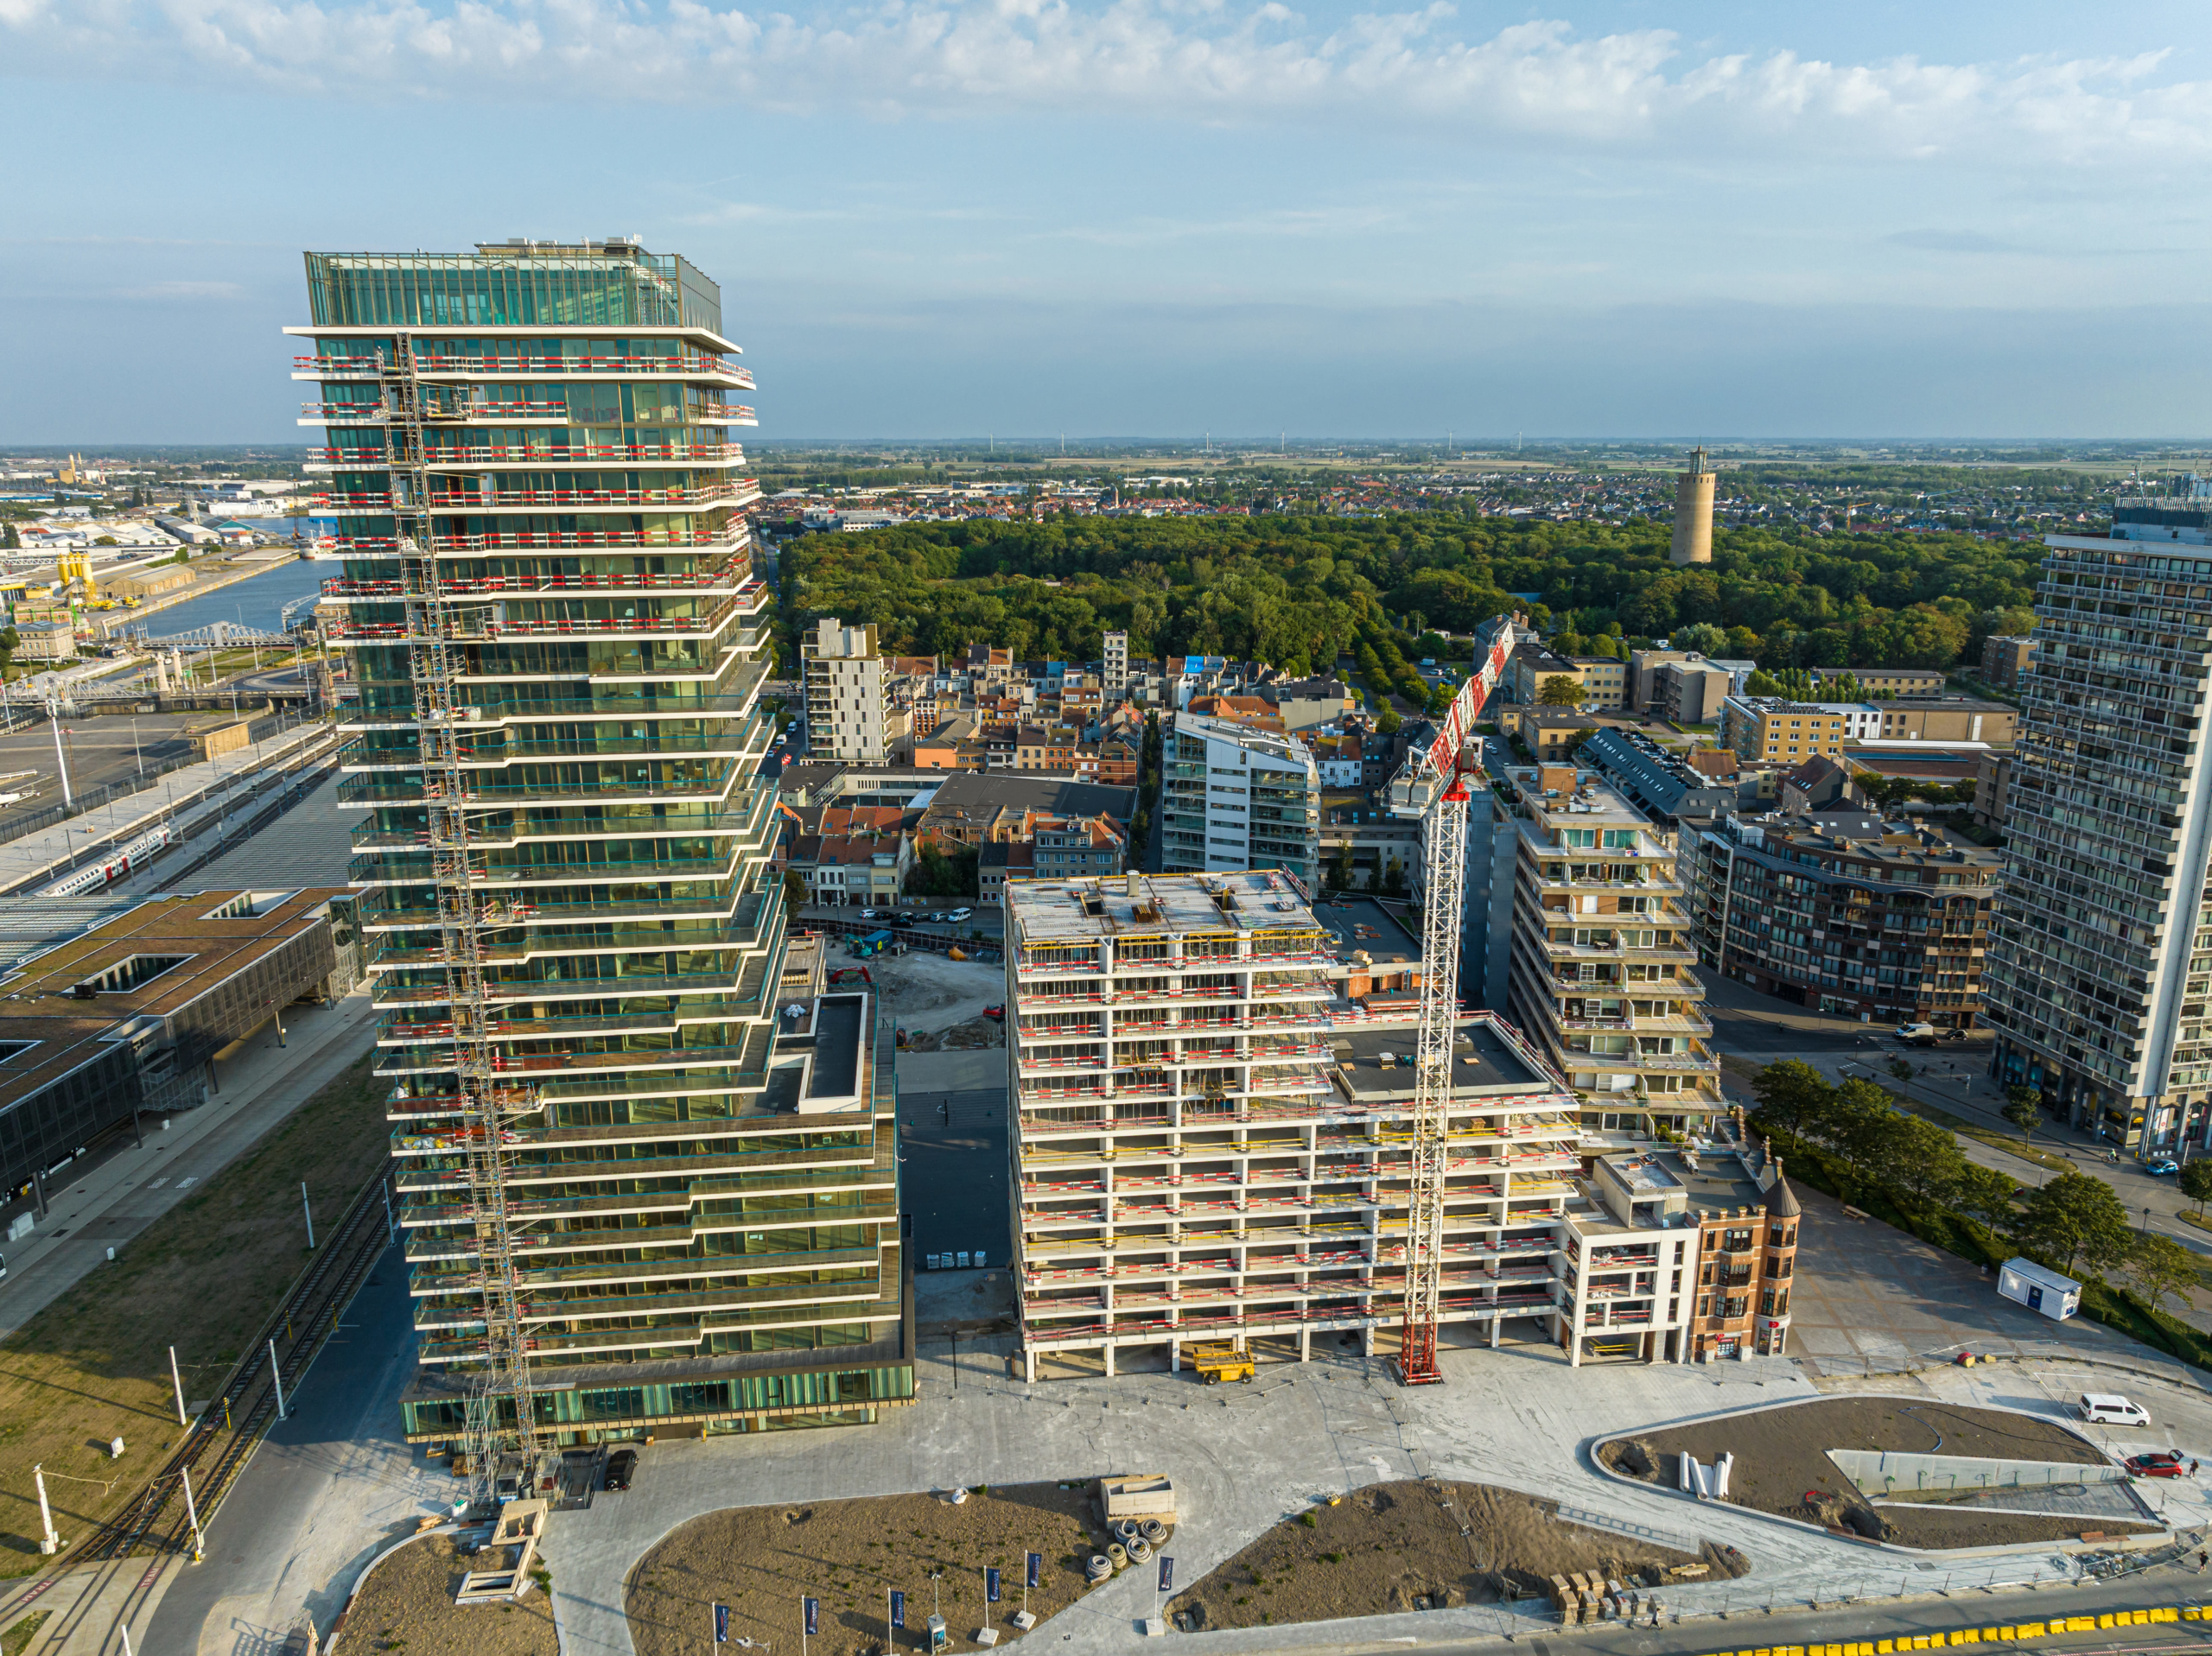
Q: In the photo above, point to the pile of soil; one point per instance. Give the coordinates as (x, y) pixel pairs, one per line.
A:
(406, 1607)
(761, 1560)
(974, 1036)
(1389, 1546)
(1782, 1465)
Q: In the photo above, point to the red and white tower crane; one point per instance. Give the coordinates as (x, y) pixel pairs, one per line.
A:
(1435, 789)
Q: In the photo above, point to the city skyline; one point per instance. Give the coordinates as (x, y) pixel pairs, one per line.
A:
(950, 219)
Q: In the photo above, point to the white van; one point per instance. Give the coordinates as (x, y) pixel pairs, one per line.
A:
(2111, 1410)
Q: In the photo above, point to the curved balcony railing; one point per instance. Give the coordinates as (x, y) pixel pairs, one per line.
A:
(686, 363)
(728, 538)
(465, 457)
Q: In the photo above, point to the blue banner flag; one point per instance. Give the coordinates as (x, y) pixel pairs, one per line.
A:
(898, 1609)
(991, 1586)
(722, 1624)
(1166, 1574)
(1036, 1576)
(813, 1615)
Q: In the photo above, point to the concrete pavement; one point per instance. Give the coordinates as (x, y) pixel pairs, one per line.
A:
(327, 1489)
(1242, 1462)
(113, 1199)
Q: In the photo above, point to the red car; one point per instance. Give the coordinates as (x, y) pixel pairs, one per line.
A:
(2165, 1464)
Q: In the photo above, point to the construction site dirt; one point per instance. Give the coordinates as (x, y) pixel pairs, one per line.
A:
(1399, 1546)
(850, 1555)
(407, 1606)
(1781, 1466)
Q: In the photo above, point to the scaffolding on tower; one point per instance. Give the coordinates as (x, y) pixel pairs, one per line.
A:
(1434, 788)
(437, 628)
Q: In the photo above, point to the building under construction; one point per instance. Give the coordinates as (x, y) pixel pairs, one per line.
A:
(1215, 1139)
(1216, 1096)
(636, 1195)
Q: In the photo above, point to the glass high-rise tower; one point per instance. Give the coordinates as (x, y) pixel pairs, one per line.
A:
(647, 1174)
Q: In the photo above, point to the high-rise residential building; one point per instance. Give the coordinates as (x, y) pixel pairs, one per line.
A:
(847, 693)
(2100, 970)
(1603, 976)
(637, 1196)
(1115, 663)
(1693, 538)
(1234, 797)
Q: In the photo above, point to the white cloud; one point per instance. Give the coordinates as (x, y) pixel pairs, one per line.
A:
(1204, 60)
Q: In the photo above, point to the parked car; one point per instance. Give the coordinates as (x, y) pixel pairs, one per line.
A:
(869, 914)
(620, 1465)
(958, 915)
(904, 918)
(998, 1012)
(2109, 1409)
(2163, 1168)
(2165, 1464)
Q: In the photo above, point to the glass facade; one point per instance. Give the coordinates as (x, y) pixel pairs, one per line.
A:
(622, 1210)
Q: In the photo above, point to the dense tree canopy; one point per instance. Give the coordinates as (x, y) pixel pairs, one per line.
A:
(1296, 591)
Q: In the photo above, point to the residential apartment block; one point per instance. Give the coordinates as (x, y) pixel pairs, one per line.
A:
(2100, 969)
(1603, 679)
(1234, 797)
(2004, 659)
(1602, 976)
(1842, 914)
(848, 703)
(1776, 730)
(636, 1197)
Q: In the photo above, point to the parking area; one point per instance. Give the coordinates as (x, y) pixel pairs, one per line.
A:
(1870, 1300)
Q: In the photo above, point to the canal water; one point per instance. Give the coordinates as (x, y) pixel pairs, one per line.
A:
(256, 601)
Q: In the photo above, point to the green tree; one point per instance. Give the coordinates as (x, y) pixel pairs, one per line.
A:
(1340, 874)
(1559, 691)
(1763, 682)
(1985, 1194)
(1700, 636)
(9, 540)
(2196, 1184)
(1900, 1069)
(2159, 1266)
(1793, 1096)
(2075, 1217)
(2024, 1109)
(1920, 1157)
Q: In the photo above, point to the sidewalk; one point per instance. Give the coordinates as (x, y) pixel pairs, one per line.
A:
(107, 1204)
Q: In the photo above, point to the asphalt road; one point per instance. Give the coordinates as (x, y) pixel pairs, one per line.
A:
(953, 1179)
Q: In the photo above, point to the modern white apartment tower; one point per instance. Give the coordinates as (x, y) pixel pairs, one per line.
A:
(1115, 663)
(847, 693)
(1233, 796)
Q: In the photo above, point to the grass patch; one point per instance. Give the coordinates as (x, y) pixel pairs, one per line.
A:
(94, 1365)
(1981, 1134)
(17, 1639)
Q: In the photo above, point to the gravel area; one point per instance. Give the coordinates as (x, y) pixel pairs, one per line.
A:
(1390, 1545)
(1782, 1465)
(406, 1607)
(761, 1561)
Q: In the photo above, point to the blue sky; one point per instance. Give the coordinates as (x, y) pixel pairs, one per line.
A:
(1158, 217)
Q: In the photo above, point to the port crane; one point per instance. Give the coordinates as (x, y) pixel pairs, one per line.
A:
(1433, 788)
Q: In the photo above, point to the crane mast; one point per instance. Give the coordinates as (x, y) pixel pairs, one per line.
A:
(1436, 791)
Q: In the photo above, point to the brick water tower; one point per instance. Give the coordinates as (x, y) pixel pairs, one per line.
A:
(1694, 511)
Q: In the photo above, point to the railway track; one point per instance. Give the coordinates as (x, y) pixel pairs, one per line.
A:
(155, 1524)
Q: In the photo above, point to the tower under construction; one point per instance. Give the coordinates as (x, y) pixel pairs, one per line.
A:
(647, 1172)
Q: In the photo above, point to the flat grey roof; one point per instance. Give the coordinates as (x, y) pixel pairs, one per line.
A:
(1084, 910)
(1490, 1066)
